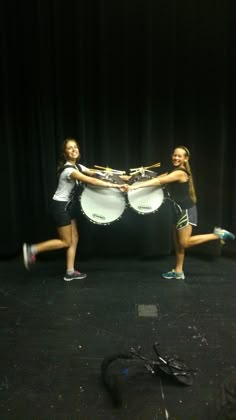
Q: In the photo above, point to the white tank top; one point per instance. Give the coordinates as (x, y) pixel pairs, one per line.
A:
(66, 183)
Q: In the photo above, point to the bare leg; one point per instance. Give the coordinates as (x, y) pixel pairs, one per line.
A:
(64, 241)
(188, 241)
(179, 248)
(68, 238)
(183, 240)
(71, 250)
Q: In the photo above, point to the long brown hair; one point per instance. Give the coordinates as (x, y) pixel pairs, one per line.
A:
(192, 191)
(62, 158)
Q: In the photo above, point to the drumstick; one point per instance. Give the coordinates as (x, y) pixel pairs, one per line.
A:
(107, 169)
(134, 172)
(116, 171)
(93, 170)
(103, 167)
(155, 165)
(139, 172)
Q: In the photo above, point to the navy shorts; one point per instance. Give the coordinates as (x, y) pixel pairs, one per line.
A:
(62, 212)
(187, 217)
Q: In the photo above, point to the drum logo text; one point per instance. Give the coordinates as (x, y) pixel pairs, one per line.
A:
(143, 207)
(98, 216)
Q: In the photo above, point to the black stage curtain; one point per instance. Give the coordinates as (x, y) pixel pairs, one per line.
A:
(130, 79)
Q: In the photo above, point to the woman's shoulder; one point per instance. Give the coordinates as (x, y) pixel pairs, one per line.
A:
(67, 170)
(180, 169)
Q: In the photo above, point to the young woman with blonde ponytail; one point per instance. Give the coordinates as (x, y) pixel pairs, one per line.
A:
(179, 182)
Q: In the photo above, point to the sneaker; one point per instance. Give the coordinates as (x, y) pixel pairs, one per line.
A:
(29, 257)
(223, 234)
(75, 276)
(173, 275)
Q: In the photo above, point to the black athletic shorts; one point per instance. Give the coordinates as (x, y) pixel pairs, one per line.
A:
(63, 212)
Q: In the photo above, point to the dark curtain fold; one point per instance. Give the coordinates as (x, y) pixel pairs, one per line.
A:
(131, 80)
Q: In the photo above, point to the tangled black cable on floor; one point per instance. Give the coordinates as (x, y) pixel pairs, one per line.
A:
(171, 366)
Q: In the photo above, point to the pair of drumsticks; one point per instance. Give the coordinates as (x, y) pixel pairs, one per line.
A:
(133, 171)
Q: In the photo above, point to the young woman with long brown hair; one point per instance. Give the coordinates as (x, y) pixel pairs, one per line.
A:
(179, 182)
(70, 173)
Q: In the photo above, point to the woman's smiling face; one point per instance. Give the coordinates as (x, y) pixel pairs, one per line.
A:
(179, 157)
(71, 150)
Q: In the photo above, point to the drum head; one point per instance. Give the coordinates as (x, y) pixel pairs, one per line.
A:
(102, 205)
(146, 200)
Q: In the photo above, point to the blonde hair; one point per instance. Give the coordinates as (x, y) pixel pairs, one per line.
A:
(192, 191)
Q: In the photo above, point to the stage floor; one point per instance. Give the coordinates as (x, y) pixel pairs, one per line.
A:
(55, 335)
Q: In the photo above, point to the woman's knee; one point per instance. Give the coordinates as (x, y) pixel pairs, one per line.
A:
(183, 244)
(65, 235)
(183, 237)
(67, 243)
(75, 237)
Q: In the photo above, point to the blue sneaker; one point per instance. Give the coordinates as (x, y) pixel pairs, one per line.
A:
(173, 275)
(223, 234)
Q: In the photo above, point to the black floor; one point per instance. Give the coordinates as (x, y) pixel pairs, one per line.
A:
(54, 336)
